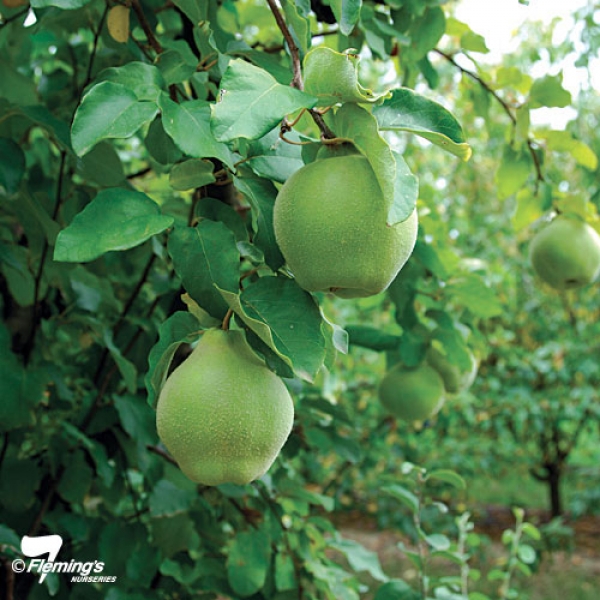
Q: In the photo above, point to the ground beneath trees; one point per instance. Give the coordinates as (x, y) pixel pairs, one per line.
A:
(571, 570)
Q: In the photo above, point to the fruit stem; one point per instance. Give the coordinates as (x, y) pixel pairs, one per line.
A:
(226, 320)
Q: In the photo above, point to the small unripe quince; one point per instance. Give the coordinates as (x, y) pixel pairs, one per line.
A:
(455, 379)
(222, 414)
(412, 394)
(566, 253)
(330, 223)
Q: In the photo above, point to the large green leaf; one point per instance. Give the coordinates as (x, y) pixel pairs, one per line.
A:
(261, 194)
(253, 102)
(248, 562)
(206, 257)
(359, 558)
(513, 171)
(180, 327)
(346, 13)
(193, 173)
(12, 165)
(286, 318)
(116, 219)
(333, 78)
(144, 80)
(188, 124)
(549, 91)
(399, 186)
(108, 110)
(409, 111)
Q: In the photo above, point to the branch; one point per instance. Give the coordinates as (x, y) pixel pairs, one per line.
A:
(88, 77)
(35, 309)
(160, 452)
(505, 106)
(294, 50)
(154, 43)
(14, 17)
(297, 69)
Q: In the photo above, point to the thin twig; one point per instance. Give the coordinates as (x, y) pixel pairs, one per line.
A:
(294, 50)
(297, 81)
(28, 347)
(505, 106)
(88, 76)
(14, 17)
(154, 43)
(162, 453)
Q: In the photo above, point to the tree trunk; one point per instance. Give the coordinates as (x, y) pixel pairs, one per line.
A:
(554, 473)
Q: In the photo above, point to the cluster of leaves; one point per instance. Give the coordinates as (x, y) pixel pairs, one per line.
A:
(140, 156)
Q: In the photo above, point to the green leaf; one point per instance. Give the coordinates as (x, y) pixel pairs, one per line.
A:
(8, 537)
(526, 554)
(261, 194)
(181, 327)
(116, 219)
(12, 165)
(108, 110)
(160, 146)
(403, 495)
(406, 192)
(253, 102)
(178, 63)
(298, 24)
(359, 558)
(102, 165)
(126, 367)
(438, 541)
(144, 80)
(548, 91)
(332, 77)
(282, 305)
(372, 338)
(76, 479)
(137, 418)
(471, 292)
(409, 111)
(473, 42)
(514, 170)
(563, 141)
(20, 480)
(190, 174)
(274, 308)
(206, 258)
(427, 31)
(248, 562)
(63, 4)
(285, 572)
(188, 124)
(271, 158)
(530, 207)
(357, 124)
(176, 533)
(448, 476)
(347, 13)
(167, 499)
(396, 589)
(532, 531)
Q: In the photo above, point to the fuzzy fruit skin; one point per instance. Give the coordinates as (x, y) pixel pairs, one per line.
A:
(330, 223)
(454, 379)
(566, 253)
(412, 394)
(222, 414)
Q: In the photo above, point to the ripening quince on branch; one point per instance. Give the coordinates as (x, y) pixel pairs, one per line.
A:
(222, 414)
(330, 223)
(412, 394)
(566, 253)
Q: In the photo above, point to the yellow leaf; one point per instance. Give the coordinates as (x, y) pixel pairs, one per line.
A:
(118, 23)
